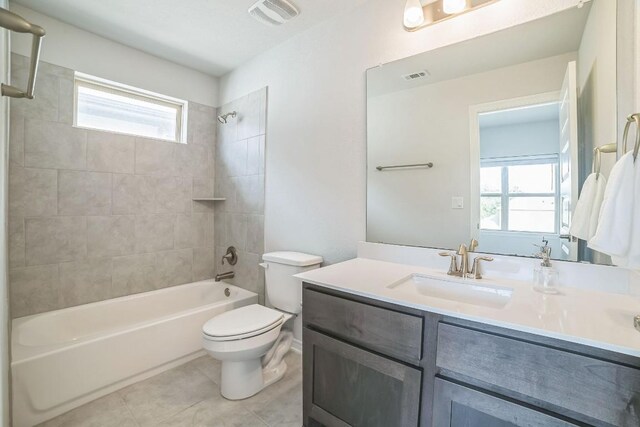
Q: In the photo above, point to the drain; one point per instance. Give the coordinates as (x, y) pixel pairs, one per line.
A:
(227, 292)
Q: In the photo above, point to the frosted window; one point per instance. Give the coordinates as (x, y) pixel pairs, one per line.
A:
(123, 110)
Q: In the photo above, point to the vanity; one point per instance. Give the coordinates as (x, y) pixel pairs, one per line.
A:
(487, 141)
(384, 347)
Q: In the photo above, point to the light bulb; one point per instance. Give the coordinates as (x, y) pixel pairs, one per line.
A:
(413, 14)
(454, 6)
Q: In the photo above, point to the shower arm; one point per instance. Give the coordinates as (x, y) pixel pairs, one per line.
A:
(13, 22)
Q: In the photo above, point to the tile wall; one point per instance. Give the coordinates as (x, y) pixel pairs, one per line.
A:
(96, 215)
(239, 176)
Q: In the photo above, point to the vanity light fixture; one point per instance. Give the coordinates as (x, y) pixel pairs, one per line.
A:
(422, 13)
(453, 6)
(413, 14)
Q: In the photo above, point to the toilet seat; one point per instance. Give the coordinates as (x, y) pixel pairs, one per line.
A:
(242, 323)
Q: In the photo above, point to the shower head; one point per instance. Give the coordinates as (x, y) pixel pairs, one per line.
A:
(224, 117)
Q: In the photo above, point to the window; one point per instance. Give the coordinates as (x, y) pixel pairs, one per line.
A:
(104, 105)
(520, 194)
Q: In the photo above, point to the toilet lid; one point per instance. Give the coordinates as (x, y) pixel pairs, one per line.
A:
(243, 321)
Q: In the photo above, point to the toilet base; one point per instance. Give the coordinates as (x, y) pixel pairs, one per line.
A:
(243, 379)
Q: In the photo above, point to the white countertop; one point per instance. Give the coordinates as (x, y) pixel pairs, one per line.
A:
(597, 319)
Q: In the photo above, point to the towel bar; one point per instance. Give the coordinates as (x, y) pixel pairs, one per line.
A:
(418, 165)
(13, 22)
(633, 118)
(597, 156)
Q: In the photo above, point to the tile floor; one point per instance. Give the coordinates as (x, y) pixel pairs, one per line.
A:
(189, 396)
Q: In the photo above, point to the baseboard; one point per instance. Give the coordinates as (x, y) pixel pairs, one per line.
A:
(297, 346)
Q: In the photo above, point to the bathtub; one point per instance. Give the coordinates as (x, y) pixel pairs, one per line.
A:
(65, 358)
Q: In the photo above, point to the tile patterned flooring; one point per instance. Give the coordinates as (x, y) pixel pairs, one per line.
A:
(189, 396)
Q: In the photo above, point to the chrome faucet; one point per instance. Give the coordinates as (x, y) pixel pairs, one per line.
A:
(463, 270)
(227, 275)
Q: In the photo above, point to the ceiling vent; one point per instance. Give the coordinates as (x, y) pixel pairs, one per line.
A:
(417, 75)
(273, 12)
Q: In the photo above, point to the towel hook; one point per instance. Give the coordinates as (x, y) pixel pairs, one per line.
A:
(633, 118)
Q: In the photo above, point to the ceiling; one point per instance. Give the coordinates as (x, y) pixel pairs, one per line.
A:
(213, 36)
(513, 116)
(549, 36)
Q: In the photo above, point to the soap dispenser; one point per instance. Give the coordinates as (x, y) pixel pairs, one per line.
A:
(545, 277)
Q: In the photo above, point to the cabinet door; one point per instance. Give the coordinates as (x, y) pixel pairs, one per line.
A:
(347, 386)
(459, 406)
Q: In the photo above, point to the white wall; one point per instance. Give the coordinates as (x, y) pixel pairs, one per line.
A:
(71, 47)
(315, 173)
(597, 78)
(430, 123)
(4, 168)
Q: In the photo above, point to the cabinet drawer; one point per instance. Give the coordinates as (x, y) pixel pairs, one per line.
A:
(389, 332)
(584, 388)
(459, 406)
(346, 386)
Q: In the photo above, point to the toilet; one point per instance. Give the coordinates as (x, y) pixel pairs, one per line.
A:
(248, 340)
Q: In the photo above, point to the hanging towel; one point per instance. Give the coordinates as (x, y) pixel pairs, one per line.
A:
(613, 234)
(585, 217)
(632, 258)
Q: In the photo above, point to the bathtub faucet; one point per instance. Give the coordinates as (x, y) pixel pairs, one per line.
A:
(227, 275)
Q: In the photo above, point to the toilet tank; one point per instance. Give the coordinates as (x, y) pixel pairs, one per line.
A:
(283, 290)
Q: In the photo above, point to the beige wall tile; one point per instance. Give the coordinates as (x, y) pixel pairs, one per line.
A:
(55, 239)
(134, 194)
(65, 100)
(16, 242)
(255, 155)
(203, 263)
(173, 194)
(255, 234)
(154, 232)
(201, 125)
(110, 152)
(232, 157)
(33, 290)
(110, 236)
(203, 187)
(84, 193)
(84, 281)
(194, 231)
(250, 194)
(155, 157)
(32, 192)
(16, 139)
(174, 267)
(54, 145)
(236, 231)
(134, 274)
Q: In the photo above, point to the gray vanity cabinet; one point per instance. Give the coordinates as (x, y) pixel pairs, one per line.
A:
(369, 363)
(353, 387)
(460, 406)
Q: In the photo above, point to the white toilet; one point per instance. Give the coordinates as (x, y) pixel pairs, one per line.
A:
(241, 337)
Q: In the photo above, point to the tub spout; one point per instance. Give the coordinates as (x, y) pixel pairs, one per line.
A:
(227, 275)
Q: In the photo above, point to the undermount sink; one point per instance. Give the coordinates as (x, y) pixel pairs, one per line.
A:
(468, 291)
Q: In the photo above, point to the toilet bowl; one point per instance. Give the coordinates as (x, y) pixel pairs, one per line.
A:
(239, 338)
(249, 341)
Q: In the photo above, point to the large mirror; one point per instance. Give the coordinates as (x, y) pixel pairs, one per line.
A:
(493, 138)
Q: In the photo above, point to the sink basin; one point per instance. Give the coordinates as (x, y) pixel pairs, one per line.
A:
(467, 291)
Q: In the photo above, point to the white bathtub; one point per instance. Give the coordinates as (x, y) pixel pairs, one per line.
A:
(65, 358)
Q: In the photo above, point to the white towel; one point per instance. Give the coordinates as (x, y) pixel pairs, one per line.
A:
(613, 234)
(632, 258)
(585, 216)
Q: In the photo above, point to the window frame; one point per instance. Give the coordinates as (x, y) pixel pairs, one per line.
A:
(97, 83)
(506, 195)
